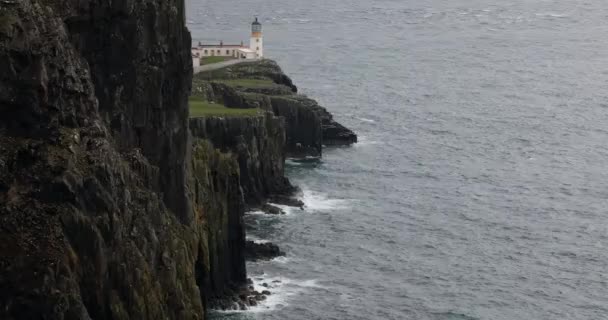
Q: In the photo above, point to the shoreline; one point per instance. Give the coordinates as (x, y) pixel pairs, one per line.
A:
(292, 118)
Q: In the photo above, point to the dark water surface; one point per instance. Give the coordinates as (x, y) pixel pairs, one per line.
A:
(479, 189)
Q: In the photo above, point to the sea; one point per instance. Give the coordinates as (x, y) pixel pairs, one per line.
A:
(479, 187)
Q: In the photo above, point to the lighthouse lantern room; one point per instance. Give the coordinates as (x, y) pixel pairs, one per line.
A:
(257, 40)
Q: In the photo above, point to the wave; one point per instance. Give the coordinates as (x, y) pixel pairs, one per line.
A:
(365, 141)
(551, 15)
(287, 209)
(291, 162)
(281, 290)
(281, 260)
(365, 120)
(316, 201)
(256, 213)
(256, 239)
(308, 160)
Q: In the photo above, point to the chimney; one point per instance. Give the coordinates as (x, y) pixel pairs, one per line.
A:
(221, 43)
(242, 44)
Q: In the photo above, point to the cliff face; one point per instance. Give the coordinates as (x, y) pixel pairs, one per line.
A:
(309, 126)
(258, 144)
(95, 217)
(108, 208)
(139, 58)
(219, 207)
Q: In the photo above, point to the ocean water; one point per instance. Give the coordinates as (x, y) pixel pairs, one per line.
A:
(479, 189)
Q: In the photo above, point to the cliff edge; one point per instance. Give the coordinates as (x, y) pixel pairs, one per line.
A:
(262, 84)
(95, 216)
(110, 206)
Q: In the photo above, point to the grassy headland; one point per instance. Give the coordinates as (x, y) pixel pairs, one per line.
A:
(210, 60)
(247, 83)
(201, 108)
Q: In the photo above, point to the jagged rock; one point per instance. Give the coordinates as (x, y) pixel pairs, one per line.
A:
(241, 298)
(287, 201)
(263, 69)
(270, 209)
(218, 201)
(308, 125)
(259, 145)
(262, 251)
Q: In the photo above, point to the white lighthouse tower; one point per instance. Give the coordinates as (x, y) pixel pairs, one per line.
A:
(257, 40)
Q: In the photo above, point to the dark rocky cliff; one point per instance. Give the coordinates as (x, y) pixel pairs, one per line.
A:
(95, 218)
(258, 144)
(109, 209)
(219, 207)
(309, 126)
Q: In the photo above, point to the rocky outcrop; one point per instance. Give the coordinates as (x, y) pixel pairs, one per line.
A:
(99, 215)
(219, 208)
(262, 251)
(243, 298)
(304, 125)
(262, 69)
(258, 144)
(308, 125)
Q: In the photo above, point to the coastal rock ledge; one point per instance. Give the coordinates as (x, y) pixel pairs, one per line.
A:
(262, 84)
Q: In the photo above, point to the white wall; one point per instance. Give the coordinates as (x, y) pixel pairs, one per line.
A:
(217, 51)
(255, 43)
(246, 55)
(196, 61)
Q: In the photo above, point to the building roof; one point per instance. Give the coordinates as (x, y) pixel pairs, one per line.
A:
(246, 50)
(218, 46)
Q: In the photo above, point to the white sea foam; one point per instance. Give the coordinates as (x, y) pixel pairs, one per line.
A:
(281, 290)
(551, 14)
(365, 141)
(366, 120)
(291, 162)
(256, 239)
(256, 213)
(287, 209)
(316, 201)
(281, 260)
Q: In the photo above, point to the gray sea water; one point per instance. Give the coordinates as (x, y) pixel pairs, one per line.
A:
(479, 188)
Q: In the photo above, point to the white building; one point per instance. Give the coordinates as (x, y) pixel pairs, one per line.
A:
(196, 60)
(255, 49)
(256, 41)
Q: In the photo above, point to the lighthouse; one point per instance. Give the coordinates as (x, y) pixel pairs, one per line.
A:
(202, 53)
(257, 40)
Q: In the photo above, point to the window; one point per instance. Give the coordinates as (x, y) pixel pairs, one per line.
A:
(205, 51)
(258, 48)
(218, 52)
(257, 40)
